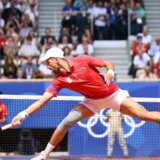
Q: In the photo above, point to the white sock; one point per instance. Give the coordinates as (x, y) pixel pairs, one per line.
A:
(48, 149)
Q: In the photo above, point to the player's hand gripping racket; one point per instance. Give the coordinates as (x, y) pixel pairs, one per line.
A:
(8, 126)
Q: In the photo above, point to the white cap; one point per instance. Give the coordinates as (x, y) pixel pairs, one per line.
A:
(53, 52)
(140, 35)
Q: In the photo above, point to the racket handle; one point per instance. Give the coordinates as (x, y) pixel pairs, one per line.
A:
(6, 126)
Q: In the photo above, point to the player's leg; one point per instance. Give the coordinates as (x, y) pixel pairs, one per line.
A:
(132, 108)
(78, 113)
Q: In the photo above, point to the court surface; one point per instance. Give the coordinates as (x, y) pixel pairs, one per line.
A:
(63, 158)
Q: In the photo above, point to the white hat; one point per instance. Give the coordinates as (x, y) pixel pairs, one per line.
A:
(140, 35)
(53, 52)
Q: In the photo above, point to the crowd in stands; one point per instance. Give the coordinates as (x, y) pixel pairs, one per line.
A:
(20, 46)
(83, 21)
(145, 60)
(18, 38)
(107, 18)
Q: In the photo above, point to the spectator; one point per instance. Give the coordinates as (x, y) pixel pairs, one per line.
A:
(21, 5)
(29, 68)
(147, 38)
(24, 30)
(65, 43)
(2, 22)
(37, 74)
(10, 69)
(48, 34)
(89, 14)
(87, 33)
(111, 11)
(28, 49)
(157, 68)
(11, 32)
(84, 48)
(4, 4)
(3, 39)
(137, 18)
(29, 21)
(100, 17)
(140, 12)
(147, 75)
(82, 7)
(138, 44)
(65, 32)
(32, 11)
(13, 22)
(154, 51)
(35, 2)
(10, 47)
(20, 74)
(115, 119)
(121, 22)
(69, 17)
(1, 6)
(140, 61)
(12, 10)
(68, 52)
(51, 42)
(34, 39)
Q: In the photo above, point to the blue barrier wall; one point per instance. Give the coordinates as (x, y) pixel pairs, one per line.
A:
(136, 89)
(143, 139)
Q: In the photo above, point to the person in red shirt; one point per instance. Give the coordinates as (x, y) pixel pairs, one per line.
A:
(138, 44)
(3, 112)
(80, 74)
(157, 68)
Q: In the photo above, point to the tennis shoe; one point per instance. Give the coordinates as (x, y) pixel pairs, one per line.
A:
(41, 156)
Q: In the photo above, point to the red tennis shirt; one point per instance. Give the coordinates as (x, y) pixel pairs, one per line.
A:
(83, 78)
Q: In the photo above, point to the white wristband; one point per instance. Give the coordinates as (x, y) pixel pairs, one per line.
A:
(111, 72)
(23, 114)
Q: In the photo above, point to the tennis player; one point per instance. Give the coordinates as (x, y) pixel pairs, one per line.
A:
(80, 74)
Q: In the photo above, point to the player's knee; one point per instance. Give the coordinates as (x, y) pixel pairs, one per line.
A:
(68, 122)
(72, 118)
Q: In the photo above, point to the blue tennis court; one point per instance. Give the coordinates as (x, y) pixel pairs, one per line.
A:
(64, 158)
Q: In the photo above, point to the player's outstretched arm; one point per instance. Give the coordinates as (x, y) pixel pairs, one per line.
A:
(109, 76)
(16, 121)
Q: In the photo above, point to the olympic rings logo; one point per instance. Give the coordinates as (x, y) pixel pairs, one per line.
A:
(92, 121)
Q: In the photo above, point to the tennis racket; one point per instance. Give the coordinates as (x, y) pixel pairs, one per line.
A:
(5, 127)
(8, 126)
